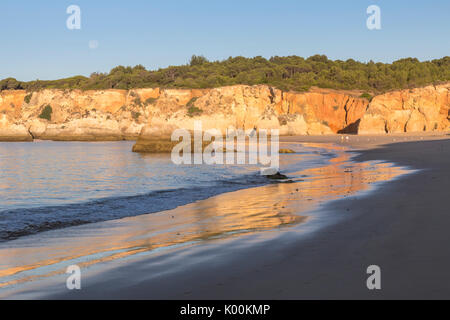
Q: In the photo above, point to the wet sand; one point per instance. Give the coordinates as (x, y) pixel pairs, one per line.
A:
(402, 226)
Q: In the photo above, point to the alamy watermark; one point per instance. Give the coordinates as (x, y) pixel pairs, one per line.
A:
(374, 20)
(73, 22)
(74, 280)
(374, 280)
(238, 146)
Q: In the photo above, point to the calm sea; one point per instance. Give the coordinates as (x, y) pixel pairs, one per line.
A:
(47, 185)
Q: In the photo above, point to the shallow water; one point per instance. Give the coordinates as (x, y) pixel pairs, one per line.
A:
(48, 185)
(319, 173)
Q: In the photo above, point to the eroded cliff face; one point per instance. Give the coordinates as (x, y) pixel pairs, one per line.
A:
(417, 110)
(249, 107)
(121, 114)
(151, 115)
(75, 114)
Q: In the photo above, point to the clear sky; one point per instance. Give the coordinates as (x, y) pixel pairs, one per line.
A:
(36, 44)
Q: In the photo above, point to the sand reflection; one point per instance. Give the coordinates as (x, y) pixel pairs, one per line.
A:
(270, 207)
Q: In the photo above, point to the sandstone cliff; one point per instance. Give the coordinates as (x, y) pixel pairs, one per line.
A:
(121, 114)
(152, 114)
(75, 114)
(247, 107)
(416, 110)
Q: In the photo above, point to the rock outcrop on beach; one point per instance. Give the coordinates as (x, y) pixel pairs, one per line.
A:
(151, 115)
(416, 110)
(13, 132)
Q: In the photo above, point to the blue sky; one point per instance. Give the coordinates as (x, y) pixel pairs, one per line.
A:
(36, 43)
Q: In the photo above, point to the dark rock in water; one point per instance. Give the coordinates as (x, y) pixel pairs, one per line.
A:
(277, 176)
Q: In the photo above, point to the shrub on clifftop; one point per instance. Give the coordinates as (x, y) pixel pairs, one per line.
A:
(286, 73)
(367, 96)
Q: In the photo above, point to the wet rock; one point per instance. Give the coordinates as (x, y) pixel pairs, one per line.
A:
(277, 176)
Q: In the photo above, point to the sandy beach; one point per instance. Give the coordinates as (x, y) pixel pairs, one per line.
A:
(401, 226)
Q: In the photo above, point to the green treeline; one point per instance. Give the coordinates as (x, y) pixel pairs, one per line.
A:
(286, 73)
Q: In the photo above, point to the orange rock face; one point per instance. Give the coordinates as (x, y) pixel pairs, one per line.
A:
(146, 113)
(415, 110)
(11, 102)
(249, 107)
(338, 111)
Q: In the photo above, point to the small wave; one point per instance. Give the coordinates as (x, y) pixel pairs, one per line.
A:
(16, 223)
